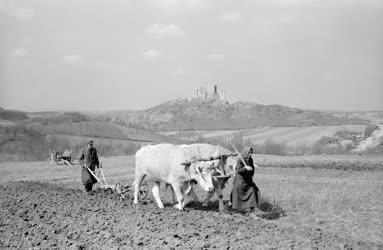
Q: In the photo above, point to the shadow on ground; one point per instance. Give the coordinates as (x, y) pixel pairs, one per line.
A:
(268, 210)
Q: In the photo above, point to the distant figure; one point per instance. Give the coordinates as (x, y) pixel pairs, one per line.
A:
(244, 196)
(90, 160)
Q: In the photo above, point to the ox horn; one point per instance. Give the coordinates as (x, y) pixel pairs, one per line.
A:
(198, 169)
(189, 188)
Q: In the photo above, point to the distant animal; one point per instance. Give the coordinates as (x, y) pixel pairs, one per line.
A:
(172, 165)
(224, 166)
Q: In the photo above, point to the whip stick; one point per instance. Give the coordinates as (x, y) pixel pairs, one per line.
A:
(235, 149)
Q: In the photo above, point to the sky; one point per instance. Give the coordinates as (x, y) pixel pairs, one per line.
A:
(134, 54)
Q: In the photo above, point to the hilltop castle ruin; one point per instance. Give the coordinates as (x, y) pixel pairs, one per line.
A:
(209, 93)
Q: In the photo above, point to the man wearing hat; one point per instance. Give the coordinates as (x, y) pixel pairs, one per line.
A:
(89, 157)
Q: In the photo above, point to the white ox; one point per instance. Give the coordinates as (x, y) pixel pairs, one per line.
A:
(224, 166)
(166, 163)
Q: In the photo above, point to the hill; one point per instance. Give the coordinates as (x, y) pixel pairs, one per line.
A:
(186, 114)
(282, 135)
(97, 129)
(12, 115)
(32, 140)
(372, 116)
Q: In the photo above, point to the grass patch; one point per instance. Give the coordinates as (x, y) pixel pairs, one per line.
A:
(272, 210)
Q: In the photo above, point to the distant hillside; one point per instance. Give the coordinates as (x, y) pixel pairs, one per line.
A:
(110, 115)
(12, 115)
(43, 114)
(56, 118)
(373, 116)
(79, 124)
(33, 141)
(97, 129)
(185, 114)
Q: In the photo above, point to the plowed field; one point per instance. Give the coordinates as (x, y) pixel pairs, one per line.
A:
(44, 206)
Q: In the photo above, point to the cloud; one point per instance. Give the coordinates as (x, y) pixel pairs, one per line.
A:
(72, 59)
(216, 57)
(294, 2)
(267, 23)
(20, 52)
(232, 16)
(174, 5)
(11, 9)
(162, 30)
(287, 3)
(112, 67)
(177, 72)
(307, 2)
(152, 54)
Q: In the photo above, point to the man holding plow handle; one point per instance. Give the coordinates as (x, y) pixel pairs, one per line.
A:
(90, 159)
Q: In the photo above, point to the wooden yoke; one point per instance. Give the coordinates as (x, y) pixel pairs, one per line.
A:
(211, 158)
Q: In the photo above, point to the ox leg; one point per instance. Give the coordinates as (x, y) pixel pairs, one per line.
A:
(178, 191)
(192, 195)
(174, 198)
(168, 186)
(156, 194)
(218, 190)
(137, 183)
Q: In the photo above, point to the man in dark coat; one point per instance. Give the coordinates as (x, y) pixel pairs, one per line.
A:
(244, 195)
(89, 157)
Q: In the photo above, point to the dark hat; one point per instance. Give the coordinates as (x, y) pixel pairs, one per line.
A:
(90, 142)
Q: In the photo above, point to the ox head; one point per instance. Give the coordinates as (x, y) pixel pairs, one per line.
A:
(230, 163)
(202, 172)
(225, 164)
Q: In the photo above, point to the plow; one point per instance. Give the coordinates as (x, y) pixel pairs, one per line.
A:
(122, 191)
